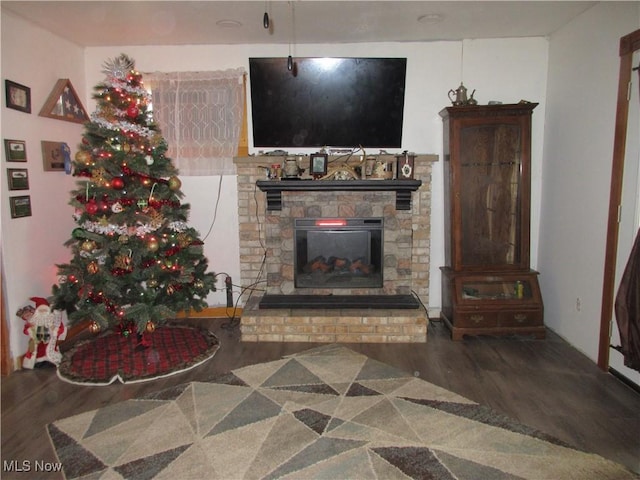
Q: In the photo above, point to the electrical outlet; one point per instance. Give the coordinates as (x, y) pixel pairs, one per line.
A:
(578, 304)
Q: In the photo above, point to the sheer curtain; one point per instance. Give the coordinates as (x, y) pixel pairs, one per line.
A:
(200, 116)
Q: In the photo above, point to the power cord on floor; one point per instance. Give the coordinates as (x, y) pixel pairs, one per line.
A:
(234, 321)
(426, 311)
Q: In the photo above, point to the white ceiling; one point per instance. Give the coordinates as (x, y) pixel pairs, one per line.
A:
(128, 23)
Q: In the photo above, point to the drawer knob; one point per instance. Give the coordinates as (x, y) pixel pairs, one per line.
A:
(520, 317)
(477, 318)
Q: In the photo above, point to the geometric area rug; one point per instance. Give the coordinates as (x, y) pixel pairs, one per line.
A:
(326, 413)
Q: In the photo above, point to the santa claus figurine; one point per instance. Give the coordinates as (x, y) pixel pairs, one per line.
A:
(44, 328)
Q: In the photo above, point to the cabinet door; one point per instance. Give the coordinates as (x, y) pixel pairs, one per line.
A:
(490, 195)
(487, 182)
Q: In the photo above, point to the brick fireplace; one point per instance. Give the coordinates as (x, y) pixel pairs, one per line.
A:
(267, 221)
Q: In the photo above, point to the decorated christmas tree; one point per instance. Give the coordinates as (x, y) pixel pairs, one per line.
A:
(136, 263)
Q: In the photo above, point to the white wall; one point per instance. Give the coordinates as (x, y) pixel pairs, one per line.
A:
(31, 246)
(578, 147)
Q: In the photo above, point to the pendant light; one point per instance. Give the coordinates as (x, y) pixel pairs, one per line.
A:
(290, 62)
(265, 17)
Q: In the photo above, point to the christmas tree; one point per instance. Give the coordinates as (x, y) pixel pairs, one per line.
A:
(136, 262)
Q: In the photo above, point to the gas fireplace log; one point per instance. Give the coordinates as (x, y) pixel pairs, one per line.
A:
(339, 263)
(358, 266)
(320, 264)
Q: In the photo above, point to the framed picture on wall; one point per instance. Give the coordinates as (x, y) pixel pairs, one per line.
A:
(64, 104)
(53, 156)
(15, 150)
(20, 206)
(17, 96)
(18, 178)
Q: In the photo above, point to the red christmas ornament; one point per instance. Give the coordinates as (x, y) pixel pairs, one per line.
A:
(133, 111)
(91, 207)
(117, 183)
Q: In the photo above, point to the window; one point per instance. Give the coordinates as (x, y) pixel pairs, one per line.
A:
(200, 117)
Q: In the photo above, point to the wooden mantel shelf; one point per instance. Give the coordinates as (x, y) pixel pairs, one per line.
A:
(274, 189)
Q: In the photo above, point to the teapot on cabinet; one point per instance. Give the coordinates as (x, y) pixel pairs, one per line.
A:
(459, 97)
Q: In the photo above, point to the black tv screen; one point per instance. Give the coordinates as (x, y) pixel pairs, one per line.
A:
(332, 102)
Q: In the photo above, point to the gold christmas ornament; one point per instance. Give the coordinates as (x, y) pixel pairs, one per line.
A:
(174, 183)
(184, 240)
(99, 177)
(156, 218)
(153, 245)
(155, 140)
(88, 246)
(124, 262)
(84, 157)
(93, 268)
(94, 327)
(150, 327)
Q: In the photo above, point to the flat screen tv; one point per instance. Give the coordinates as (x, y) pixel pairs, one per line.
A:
(327, 102)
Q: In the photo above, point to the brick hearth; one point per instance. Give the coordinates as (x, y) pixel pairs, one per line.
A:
(333, 326)
(266, 259)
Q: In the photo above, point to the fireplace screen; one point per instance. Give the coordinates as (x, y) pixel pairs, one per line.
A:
(338, 253)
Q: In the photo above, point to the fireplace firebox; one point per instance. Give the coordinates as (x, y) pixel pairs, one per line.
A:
(338, 253)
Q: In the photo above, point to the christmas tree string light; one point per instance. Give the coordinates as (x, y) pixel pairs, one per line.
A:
(135, 262)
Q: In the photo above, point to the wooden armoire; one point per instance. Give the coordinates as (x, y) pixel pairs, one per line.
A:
(488, 286)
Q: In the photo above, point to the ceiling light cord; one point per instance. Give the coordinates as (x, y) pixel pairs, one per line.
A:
(291, 36)
(462, 63)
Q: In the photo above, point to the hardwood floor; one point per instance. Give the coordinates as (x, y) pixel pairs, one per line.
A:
(545, 384)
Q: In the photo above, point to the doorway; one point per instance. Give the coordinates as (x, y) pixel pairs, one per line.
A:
(629, 222)
(624, 207)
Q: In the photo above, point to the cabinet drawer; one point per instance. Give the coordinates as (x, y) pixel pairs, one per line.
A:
(476, 320)
(520, 319)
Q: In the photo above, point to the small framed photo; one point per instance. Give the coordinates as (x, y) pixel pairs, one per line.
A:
(53, 156)
(318, 165)
(15, 150)
(18, 178)
(18, 96)
(20, 206)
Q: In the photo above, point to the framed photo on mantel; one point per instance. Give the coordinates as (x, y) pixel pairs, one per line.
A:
(318, 165)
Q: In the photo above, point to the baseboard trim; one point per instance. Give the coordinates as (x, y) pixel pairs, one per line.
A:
(628, 382)
(213, 312)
